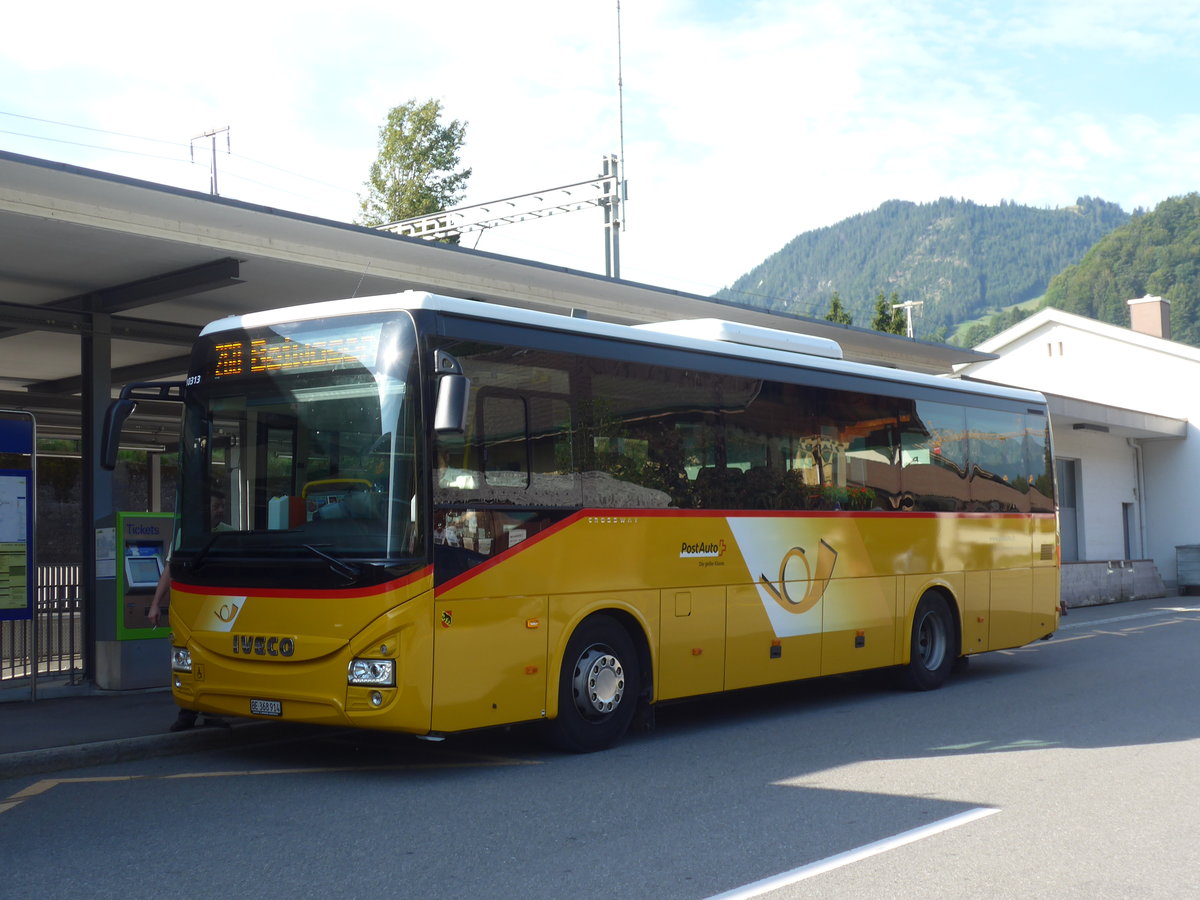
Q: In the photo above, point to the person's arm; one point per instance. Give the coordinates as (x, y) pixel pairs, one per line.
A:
(161, 590)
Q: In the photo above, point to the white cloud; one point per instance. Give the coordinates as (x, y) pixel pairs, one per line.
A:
(745, 123)
(1102, 26)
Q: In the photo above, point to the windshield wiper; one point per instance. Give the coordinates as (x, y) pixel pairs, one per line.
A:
(347, 570)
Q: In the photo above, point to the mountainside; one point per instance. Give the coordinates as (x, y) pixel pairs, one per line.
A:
(961, 259)
(1157, 253)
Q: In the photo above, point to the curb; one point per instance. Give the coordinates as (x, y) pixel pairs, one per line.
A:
(99, 753)
(18, 691)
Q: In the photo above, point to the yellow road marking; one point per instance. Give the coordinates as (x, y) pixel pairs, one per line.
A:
(41, 787)
(33, 790)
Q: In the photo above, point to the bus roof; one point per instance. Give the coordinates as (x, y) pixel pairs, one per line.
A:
(711, 336)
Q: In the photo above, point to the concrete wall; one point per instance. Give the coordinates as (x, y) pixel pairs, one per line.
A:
(1108, 476)
(1172, 476)
(1093, 583)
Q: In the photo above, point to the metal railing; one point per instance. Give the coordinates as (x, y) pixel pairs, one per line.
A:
(59, 620)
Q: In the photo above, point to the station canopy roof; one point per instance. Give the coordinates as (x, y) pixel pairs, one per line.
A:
(82, 251)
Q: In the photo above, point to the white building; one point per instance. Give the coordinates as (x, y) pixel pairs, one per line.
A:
(1124, 405)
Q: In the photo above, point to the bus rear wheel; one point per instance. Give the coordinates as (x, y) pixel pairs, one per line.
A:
(932, 650)
(598, 687)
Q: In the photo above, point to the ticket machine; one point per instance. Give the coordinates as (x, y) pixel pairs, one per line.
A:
(132, 549)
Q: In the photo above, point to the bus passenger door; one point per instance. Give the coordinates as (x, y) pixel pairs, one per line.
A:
(489, 661)
(691, 652)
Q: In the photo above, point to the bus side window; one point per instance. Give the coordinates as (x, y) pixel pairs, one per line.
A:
(872, 475)
(933, 457)
(999, 479)
(505, 438)
(1040, 463)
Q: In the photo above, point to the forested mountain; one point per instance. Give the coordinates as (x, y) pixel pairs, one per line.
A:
(961, 259)
(1157, 253)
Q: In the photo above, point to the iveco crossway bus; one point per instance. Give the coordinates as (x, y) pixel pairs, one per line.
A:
(427, 515)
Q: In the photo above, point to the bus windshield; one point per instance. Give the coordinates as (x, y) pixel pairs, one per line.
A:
(299, 453)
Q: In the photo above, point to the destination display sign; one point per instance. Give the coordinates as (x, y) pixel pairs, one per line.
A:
(258, 356)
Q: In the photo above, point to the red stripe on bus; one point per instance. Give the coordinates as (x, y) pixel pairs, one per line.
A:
(372, 591)
(509, 553)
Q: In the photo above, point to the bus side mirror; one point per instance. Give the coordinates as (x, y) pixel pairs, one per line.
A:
(110, 440)
(122, 408)
(450, 416)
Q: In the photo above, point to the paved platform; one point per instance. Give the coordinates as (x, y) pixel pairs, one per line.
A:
(75, 725)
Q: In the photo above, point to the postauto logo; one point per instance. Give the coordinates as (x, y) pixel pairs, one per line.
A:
(702, 549)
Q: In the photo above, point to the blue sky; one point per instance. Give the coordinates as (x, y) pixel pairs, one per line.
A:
(746, 123)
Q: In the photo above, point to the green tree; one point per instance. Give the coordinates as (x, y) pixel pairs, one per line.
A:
(1155, 253)
(887, 319)
(937, 336)
(837, 312)
(416, 172)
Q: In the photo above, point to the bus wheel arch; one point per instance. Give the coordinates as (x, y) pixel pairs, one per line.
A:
(934, 641)
(602, 683)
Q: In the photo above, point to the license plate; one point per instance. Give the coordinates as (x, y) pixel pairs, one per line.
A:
(266, 708)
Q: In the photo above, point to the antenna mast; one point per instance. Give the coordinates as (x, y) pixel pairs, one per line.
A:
(620, 95)
(614, 167)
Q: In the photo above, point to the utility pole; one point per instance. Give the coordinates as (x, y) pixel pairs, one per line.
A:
(212, 181)
(606, 190)
(908, 306)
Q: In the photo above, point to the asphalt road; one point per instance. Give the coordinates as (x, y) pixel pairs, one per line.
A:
(1070, 768)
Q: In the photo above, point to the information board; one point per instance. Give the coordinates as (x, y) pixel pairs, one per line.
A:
(17, 508)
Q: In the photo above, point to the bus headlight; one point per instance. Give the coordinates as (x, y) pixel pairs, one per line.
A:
(378, 672)
(181, 659)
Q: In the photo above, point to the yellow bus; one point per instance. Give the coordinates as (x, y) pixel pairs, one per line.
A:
(428, 515)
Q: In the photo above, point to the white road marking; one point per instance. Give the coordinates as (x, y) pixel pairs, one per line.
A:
(1163, 611)
(775, 882)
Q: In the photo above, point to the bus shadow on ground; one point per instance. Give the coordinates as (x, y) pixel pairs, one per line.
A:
(1046, 694)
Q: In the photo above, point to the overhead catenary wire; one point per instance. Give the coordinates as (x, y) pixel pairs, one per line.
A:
(180, 145)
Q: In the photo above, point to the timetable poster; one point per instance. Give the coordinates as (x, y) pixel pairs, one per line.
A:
(16, 514)
(14, 542)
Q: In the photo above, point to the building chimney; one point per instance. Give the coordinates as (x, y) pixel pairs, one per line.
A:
(1151, 315)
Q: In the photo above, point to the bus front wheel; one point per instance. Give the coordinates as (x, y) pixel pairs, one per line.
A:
(598, 687)
(932, 650)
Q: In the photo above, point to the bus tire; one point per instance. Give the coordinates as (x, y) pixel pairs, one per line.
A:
(932, 645)
(598, 687)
